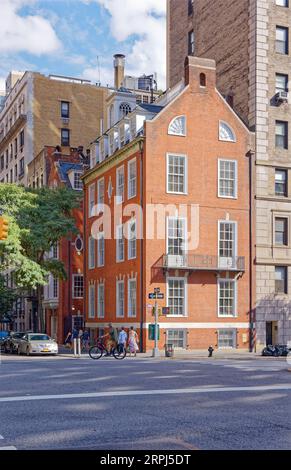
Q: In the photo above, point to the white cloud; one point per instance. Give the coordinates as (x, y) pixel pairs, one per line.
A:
(32, 33)
(144, 21)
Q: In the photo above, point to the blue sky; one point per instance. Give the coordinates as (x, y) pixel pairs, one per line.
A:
(65, 37)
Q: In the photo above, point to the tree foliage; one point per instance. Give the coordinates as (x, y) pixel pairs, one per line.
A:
(38, 219)
(7, 297)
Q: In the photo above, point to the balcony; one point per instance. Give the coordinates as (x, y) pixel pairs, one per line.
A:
(192, 262)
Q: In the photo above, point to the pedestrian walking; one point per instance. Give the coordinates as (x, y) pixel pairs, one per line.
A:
(132, 341)
(122, 339)
(68, 340)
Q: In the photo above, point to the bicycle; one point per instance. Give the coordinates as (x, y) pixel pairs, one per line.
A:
(97, 351)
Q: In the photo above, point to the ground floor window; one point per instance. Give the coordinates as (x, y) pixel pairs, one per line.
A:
(227, 338)
(176, 296)
(178, 338)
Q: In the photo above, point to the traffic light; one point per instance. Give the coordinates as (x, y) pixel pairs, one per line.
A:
(3, 228)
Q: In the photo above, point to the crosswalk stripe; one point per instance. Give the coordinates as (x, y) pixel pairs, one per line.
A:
(8, 448)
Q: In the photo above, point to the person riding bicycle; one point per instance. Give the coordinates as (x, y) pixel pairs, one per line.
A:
(112, 338)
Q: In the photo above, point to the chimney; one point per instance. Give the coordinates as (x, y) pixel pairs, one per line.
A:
(200, 74)
(119, 62)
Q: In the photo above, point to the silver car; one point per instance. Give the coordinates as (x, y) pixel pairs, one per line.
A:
(37, 343)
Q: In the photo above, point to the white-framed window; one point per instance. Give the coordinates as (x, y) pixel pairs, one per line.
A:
(120, 184)
(91, 254)
(119, 244)
(226, 338)
(282, 3)
(178, 126)
(91, 301)
(101, 301)
(101, 250)
(100, 191)
(178, 338)
(132, 239)
(131, 169)
(176, 235)
(227, 298)
(91, 199)
(176, 174)
(177, 296)
(227, 239)
(78, 184)
(120, 299)
(226, 133)
(54, 251)
(78, 286)
(227, 177)
(132, 298)
(282, 40)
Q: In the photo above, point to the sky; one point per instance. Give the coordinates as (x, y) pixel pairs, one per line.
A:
(71, 37)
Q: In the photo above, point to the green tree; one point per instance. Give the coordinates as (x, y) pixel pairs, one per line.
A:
(7, 297)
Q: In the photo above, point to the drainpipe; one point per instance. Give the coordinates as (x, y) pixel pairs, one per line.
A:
(141, 147)
(252, 345)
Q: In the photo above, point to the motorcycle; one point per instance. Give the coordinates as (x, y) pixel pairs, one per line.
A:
(276, 351)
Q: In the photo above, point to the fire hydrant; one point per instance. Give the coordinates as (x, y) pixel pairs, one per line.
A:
(210, 351)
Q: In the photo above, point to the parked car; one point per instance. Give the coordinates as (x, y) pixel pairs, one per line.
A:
(3, 336)
(11, 343)
(276, 351)
(37, 343)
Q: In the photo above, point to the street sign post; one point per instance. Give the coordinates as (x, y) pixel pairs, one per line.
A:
(156, 295)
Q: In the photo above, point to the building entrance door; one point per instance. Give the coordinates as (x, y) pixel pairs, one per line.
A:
(271, 332)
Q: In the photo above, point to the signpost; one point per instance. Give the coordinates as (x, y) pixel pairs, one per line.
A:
(156, 295)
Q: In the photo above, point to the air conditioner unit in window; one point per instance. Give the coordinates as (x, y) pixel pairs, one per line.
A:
(282, 97)
(65, 120)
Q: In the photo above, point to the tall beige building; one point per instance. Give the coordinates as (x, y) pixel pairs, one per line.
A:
(250, 41)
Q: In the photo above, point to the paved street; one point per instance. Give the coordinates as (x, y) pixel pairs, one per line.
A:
(182, 404)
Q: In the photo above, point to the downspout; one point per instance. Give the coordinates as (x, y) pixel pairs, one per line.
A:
(69, 280)
(252, 318)
(141, 147)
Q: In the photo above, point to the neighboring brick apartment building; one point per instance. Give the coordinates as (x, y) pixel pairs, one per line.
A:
(63, 299)
(41, 111)
(187, 153)
(250, 42)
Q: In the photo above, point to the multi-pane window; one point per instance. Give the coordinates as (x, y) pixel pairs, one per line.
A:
(120, 299)
(132, 239)
(101, 301)
(120, 184)
(91, 253)
(91, 306)
(282, 40)
(176, 236)
(226, 239)
(281, 82)
(101, 250)
(281, 231)
(177, 338)
(281, 182)
(132, 297)
(176, 174)
(91, 199)
(282, 134)
(282, 3)
(281, 280)
(78, 286)
(65, 109)
(55, 287)
(78, 185)
(176, 296)
(65, 137)
(227, 178)
(21, 139)
(119, 243)
(191, 42)
(100, 191)
(54, 252)
(132, 178)
(226, 298)
(226, 338)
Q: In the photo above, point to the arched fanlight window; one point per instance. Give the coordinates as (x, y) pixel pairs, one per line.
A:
(178, 126)
(202, 79)
(226, 133)
(124, 109)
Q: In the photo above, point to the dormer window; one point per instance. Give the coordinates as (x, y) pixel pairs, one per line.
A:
(226, 133)
(124, 109)
(78, 185)
(178, 126)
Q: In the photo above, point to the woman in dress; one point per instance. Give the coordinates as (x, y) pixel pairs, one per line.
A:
(132, 342)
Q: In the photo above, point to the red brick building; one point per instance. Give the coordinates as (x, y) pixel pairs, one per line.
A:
(63, 300)
(172, 181)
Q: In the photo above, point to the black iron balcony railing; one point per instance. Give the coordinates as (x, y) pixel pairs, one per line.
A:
(203, 263)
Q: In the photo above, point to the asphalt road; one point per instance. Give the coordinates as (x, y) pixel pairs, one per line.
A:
(57, 403)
